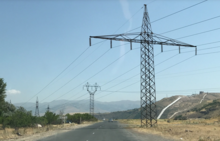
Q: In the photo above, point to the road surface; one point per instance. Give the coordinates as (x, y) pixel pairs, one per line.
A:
(103, 131)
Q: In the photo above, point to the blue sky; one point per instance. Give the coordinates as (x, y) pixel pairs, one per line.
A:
(39, 39)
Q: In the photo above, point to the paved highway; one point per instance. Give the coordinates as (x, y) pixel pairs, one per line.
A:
(103, 131)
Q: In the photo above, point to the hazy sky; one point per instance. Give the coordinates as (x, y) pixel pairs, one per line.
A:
(39, 39)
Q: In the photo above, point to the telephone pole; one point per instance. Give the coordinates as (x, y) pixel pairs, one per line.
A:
(89, 88)
(37, 109)
(147, 39)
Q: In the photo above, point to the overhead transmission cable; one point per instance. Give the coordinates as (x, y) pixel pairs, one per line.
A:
(124, 80)
(72, 63)
(87, 79)
(199, 33)
(179, 11)
(60, 73)
(171, 14)
(77, 74)
(190, 25)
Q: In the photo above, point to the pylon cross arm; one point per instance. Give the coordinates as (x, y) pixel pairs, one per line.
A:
(133, 37)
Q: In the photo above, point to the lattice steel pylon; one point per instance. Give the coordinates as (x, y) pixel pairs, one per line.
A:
(48, 108)
(147, 73)
(37, 114)
(92, 93)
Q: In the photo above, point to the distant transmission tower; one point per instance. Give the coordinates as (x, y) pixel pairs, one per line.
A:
(48, 109)
(37, 109)
(147, 39)
(89, 88)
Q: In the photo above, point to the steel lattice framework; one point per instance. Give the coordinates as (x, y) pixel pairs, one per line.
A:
(92, 93)
(37, 109)
(147, 39)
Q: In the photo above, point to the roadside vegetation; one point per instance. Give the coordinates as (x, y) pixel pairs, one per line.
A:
(19, 117)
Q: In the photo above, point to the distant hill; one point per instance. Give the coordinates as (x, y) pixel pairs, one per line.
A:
(189, 106)
(81, 106)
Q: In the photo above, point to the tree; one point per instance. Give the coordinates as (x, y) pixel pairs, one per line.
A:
(21, 118)
(2, 90)
(2, 95)
(50, 117)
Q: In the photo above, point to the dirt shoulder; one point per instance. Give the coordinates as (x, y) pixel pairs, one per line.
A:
(188, 130)
(33, 134)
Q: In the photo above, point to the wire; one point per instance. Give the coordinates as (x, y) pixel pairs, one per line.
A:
(136, 74)
(121, 75)
(139, 81)
(179, 11)
(209, 53)
(120, 89)
(77, 74)
(189, 71)
(189, 74)
(190, 25)
(208, 43)
(170, 14)
(57, 75)
(199, 33)
(87, 79)
(118, 83)
(167, 59)
(175, 64)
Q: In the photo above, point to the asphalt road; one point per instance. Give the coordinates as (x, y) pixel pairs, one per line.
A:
(103, 131)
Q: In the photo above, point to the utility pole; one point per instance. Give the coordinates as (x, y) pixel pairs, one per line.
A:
(89, 88)
(37, 109)
(147, 39)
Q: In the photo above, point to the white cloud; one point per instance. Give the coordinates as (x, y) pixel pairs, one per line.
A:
(126, 11)
(13, 91)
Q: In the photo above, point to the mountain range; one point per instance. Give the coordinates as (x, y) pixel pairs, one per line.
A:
(80, 106)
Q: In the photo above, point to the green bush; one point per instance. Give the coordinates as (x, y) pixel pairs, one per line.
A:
(180, 117)
(84, 117)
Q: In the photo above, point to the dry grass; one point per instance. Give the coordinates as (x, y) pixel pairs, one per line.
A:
(188, 130)
(10, 133)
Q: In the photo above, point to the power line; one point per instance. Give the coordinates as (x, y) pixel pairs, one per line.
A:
(138, 80)
(96, 73)
(179, 11)
(76, 60)
(167, 59)
(121, 75)
(122, 81)
(171, 14)
(199, 33)
(77, 74)
(189, 71)
(61, 72)
(87, 79)
(188, 74)
(175, 64)
(208, 43)
(156, 73)
(190, 25)
(121, 89)
(210, 53)
(126, 79)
